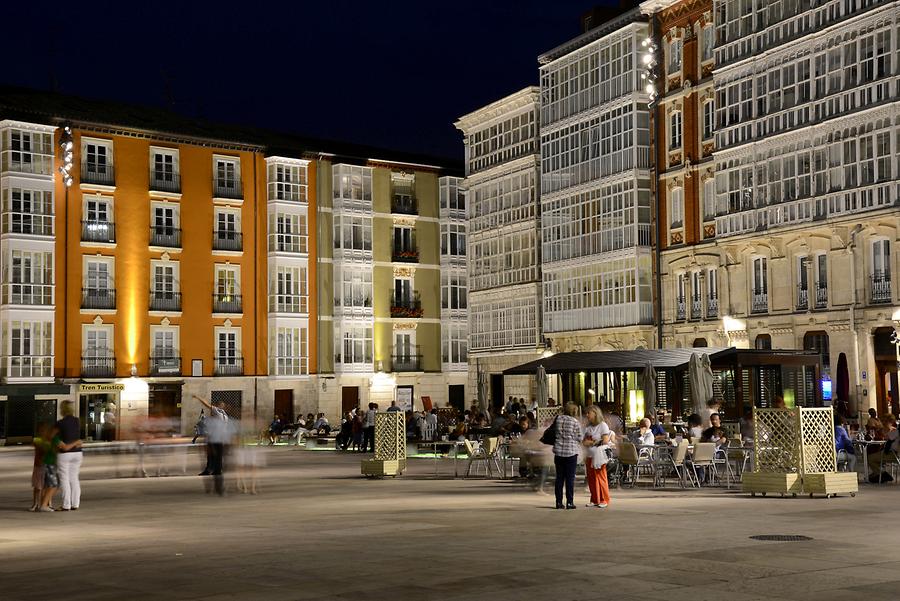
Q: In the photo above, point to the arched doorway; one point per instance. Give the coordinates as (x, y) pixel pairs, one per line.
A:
(700, 343)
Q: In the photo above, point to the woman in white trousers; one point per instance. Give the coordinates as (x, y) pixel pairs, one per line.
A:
(69, 462)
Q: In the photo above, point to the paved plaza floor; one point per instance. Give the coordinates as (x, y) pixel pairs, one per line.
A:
(318, 530)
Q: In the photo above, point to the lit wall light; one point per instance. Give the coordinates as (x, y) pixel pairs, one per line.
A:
(648, 73)
(66, 145)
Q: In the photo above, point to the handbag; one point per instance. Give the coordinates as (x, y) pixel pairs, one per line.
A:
(549, 435)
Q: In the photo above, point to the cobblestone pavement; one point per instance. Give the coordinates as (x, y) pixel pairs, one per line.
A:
(317, 530)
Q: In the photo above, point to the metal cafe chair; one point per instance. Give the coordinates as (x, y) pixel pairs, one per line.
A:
(703, 457)
(634, 462)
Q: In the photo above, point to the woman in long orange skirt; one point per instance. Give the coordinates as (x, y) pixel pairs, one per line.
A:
(596, 442)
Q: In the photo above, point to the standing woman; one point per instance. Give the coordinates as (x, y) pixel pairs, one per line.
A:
(565, 454)
(70, 456)
(596, 441)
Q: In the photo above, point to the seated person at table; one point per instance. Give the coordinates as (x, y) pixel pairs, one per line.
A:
(714, 434)
(891, 446)
(659, 432)
(853, 430)
(747, 426)
(843, 444)
(644, 436)
(459, 431)
(695, 431)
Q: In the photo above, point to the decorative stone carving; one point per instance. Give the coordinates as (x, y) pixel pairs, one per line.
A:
(98, 321)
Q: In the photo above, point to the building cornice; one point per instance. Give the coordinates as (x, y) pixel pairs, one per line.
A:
(526, 98)
(632, 18)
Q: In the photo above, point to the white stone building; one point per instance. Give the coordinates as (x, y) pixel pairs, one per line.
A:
(597, 261)
(501, 141)
(807, 182)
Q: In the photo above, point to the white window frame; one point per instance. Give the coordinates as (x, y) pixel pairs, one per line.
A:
(235, 162)
(107, 144)
(176, 275)
(110, 263)
(98, 199)
(108, 330)
(161, 151)
(708, 120)
(676, 130)
(221, 279)
(676, 208)
(220, 331)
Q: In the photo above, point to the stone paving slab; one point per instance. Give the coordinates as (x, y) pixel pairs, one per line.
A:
(320, 531)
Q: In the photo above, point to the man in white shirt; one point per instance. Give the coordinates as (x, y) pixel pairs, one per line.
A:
(644, 436)
(369, 428)
(712, 406)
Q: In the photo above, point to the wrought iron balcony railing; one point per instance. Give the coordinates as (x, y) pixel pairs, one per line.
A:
(165, 301)
(165, 361)
(98, 298)
(165, 236)
(406, 361)
(881, 287)
(227, 188)
(101, 365)
(98, 231)
(227, 240)
(227, 303)
(96, 173)
(228, 365)
(165, 181)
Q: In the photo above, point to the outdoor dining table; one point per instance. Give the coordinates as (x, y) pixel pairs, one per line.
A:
(454, 444)
(864, 446)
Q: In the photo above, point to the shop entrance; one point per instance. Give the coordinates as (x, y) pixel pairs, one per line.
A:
(457, 395)
(886, 385)
(349, 398)
(284, 405)
(99, 416)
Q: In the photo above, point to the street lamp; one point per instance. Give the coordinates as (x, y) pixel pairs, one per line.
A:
(66, 145)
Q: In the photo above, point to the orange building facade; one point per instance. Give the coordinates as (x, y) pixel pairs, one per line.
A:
(172, 265)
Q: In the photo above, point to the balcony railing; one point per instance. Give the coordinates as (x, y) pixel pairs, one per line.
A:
(406, 307)
(712, 306)
(229, 366)
(95, 173)
(407, 361)
(98, 298)
(821, 296)
(696, 308)
(802, 298)
(28, 294)
(98, 366)
(287, 243)
(680, 309)
(227, 240)
(98, 231)
(881, 288)
(227, 188)
(164, 361)
(165, 301)
(33, 224)
(227, 303)
(759, 302)
(404, 205)
(165, 236)
(161, 181)
(287, 303)
(28, 366)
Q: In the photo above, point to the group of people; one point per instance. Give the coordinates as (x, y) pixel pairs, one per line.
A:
(883, 429)
(57, 463)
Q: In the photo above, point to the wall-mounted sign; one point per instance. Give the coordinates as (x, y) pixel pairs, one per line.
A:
(101, 387)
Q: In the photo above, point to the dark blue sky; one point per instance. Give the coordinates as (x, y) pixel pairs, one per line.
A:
(391, 74)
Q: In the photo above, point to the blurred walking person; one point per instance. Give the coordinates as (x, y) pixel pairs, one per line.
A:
(217, 435)
(70, 457)
(369, 431)
(41, 444)
(566, 449)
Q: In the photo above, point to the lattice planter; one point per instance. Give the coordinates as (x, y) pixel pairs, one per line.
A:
(390, 446)
(794, 453)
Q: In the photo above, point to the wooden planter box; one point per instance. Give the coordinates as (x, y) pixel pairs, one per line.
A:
(382, 467)
(831, 484)
(772, 482)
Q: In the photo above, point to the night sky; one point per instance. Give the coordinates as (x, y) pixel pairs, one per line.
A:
(390, 74)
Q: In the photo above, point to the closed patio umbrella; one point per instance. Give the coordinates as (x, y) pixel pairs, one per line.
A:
(648, 384)
(482, 390)
(542, 386)
(698, 381)
(842, 385)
